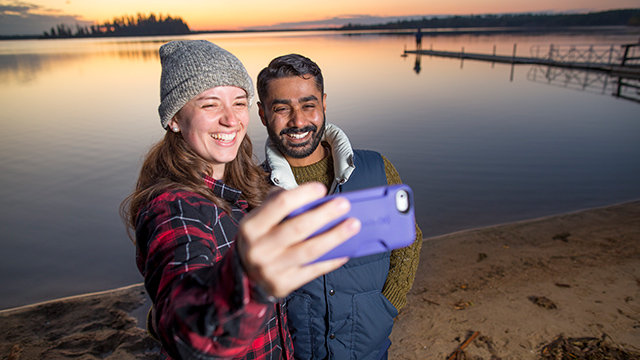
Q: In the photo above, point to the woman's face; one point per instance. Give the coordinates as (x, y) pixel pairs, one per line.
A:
(214, 124)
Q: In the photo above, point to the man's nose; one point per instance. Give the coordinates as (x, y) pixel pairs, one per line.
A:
(297, 118)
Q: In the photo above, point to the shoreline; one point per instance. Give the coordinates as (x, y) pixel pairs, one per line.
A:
(539, 218)
(429, 238)
(69, 298)
(427, 31)
(491, 280)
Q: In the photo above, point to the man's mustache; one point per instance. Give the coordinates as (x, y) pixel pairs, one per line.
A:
(294, 130)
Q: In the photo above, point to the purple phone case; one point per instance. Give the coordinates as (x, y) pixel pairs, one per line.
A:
(383, 228)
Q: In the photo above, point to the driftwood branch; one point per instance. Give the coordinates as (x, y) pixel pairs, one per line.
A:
(466, 343)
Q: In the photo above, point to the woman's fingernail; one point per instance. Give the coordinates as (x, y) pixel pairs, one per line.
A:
(354, 225)
(343, 204)
(319, 188)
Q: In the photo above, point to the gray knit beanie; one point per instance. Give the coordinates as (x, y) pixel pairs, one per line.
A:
(190, 67)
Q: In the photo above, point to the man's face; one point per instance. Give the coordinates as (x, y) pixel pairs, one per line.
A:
(294, 114)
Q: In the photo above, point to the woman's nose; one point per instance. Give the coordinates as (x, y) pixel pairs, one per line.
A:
(229, 117)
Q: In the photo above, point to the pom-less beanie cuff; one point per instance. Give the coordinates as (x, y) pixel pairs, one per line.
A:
(190, 67)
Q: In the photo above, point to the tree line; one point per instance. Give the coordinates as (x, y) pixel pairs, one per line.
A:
(140, 25)
(629, 17)
(143, 25)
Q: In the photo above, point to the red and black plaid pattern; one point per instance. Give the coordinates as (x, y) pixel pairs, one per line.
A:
(206, 306)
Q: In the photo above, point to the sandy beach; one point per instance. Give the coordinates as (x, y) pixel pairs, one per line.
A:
(503, 292)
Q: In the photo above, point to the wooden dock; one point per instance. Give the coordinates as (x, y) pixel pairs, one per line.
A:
(626, 71)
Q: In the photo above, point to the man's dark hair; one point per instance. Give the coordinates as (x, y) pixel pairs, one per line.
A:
(288, 66)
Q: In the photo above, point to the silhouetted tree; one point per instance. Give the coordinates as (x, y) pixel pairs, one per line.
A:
(140, 25)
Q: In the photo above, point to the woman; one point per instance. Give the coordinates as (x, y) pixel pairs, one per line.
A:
(214, 275)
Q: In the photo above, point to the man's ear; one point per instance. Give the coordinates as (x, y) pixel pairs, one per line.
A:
(261, 113)
(324, 103)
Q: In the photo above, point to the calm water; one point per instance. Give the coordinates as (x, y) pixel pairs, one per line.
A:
(480, 144)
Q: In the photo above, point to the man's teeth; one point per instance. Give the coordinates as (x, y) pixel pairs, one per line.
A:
(224, 137)
(298, 135)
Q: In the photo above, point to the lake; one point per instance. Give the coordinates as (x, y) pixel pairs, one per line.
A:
(480, 143)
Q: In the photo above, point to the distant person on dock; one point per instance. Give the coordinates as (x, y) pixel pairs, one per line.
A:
(348, 313)
(419, 39)
(215, 271)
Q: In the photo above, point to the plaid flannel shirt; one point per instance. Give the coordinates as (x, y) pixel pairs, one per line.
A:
(206, 306)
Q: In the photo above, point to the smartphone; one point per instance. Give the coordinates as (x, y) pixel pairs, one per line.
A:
(387, 217)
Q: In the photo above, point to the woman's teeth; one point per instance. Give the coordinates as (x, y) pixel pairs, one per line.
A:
(224, 137)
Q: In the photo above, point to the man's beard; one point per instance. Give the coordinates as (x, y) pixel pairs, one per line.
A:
(298, 151)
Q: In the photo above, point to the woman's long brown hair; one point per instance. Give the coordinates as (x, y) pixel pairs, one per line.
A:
(170, 164)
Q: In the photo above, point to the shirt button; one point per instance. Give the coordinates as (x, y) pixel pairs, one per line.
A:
(332, 292)
(276, 181)
(332, 336)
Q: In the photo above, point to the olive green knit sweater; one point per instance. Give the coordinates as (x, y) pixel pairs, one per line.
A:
(404, 261)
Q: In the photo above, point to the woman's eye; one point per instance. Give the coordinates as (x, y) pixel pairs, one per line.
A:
(210, 105)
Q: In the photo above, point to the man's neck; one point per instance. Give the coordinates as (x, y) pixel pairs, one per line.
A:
(322, 172)
(321, 152)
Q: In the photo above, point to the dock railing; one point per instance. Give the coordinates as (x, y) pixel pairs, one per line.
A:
(620, 58)
(613, 55)
(617, 60)
(631, 55)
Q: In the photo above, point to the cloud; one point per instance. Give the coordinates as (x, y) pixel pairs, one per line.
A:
(17, 8)
(22, 18)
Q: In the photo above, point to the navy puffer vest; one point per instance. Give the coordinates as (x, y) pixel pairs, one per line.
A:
(343, 314)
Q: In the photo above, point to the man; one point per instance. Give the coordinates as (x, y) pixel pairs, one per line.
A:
(348, 313)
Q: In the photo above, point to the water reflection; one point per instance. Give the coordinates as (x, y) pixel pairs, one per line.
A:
(27, 67)
(139, 54)
(416, 65)
(589, 81)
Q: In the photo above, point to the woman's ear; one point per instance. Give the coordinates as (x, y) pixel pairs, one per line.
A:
(173, 125)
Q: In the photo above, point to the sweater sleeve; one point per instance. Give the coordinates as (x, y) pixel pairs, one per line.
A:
(404, 261)
(206, 307)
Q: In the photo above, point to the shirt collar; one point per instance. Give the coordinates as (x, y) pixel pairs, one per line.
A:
(221, 190)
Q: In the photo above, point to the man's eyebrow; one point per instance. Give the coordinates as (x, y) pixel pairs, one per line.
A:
(288, 102)
(280, 102)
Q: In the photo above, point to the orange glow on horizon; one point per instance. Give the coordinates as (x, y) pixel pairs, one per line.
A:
(214, 15)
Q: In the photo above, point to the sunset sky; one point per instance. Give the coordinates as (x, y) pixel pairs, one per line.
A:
(36, 16)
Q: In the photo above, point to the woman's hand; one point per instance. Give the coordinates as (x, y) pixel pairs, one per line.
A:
(275, 254)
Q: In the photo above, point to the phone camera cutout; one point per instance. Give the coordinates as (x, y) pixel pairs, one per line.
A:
(402, 201)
